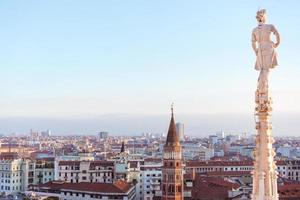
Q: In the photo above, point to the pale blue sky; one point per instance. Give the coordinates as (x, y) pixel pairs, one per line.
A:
(72, 59)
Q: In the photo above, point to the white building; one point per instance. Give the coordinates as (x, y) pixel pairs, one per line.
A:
(218, 166)
(11, 174)
(44, 171)
(16, 173)
(285, 151)
(193, 150)
(151, 173)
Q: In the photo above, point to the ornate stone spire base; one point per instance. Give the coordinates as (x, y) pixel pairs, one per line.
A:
(264, 173)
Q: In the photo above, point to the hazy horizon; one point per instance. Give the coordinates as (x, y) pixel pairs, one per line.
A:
(130, 124)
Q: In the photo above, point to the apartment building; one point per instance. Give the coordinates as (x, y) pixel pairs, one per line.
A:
(151, 175)
(85, 171)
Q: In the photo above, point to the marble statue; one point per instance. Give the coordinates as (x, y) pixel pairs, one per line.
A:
(264, 48)
(264, 170)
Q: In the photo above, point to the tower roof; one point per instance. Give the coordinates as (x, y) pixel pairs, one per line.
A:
(172, 138)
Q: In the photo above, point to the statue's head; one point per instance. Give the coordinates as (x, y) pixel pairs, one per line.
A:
(261, 16)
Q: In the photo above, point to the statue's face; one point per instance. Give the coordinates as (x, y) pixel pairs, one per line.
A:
(264, 19)
(261, 16)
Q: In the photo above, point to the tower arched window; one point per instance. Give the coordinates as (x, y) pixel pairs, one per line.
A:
(171, 188)
(179, 188)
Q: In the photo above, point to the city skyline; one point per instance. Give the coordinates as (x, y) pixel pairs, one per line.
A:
(71, 62)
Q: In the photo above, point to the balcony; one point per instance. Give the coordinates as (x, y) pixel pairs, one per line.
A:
(158, 193)
(154, 183)
(187, 194)
(155, 187)
(156, 177)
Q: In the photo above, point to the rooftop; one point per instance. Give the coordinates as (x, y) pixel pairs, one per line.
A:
(119, 187)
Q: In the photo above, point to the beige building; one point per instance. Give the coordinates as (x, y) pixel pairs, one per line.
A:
(85, 171)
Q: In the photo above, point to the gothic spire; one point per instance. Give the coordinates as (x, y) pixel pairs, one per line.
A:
(172, 137)
(123, 147)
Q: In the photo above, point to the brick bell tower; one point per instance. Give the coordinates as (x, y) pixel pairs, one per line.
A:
(172, 180)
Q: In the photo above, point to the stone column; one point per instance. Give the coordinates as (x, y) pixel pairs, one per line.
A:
(264, 173)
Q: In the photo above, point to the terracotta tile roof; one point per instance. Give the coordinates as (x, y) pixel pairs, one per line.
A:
(218, 163)
(46, 159)
(119, 187)
(102, 163)
(289, 192)
(68, 163)
(280, 162)
(212, 188)
(227, 163)
(228, 173)
(9, 155)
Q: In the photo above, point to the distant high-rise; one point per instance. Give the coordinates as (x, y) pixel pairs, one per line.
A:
(103, 135)
(46, 133)
(180, 130)
(213, 139)
(172, 179)
(220, 134)
(34, 134)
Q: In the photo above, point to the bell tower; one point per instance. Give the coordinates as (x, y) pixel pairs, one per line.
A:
(172, 180)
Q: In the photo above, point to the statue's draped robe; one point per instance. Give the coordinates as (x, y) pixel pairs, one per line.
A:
(266, 54)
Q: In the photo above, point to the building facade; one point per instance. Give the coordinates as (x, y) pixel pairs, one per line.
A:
(85, 171)
(151, 175)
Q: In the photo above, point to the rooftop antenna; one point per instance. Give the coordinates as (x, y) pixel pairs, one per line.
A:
(9, 145)
(105, 153)
(172, 109)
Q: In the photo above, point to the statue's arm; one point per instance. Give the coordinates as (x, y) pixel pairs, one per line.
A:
(254, 46)
(277, 35)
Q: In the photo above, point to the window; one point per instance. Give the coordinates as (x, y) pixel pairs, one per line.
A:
(171, 188)
(178, 188)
